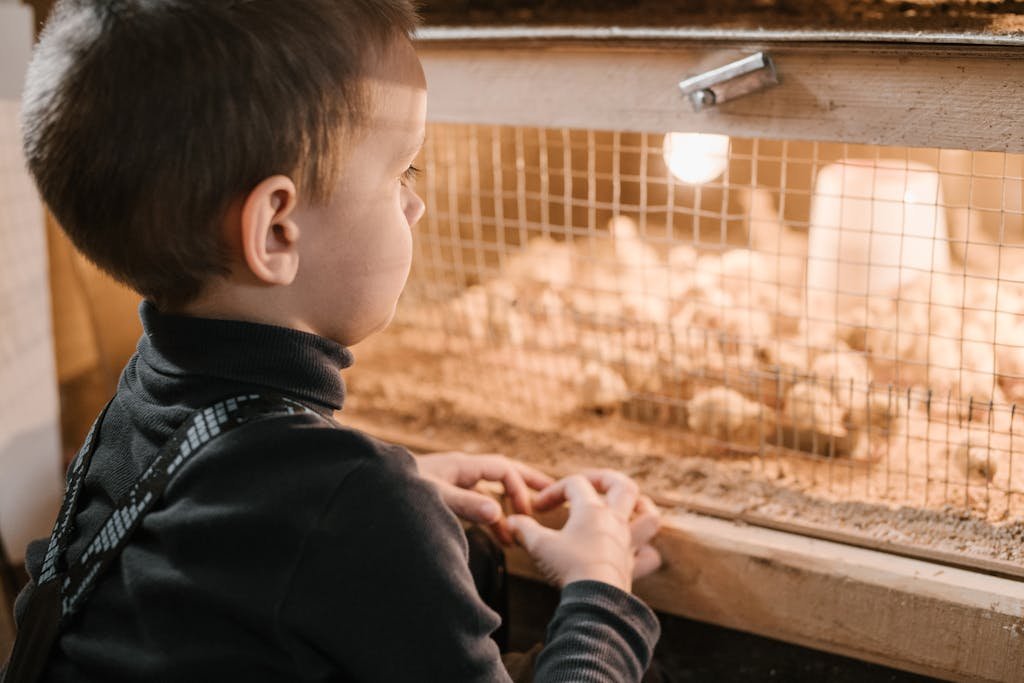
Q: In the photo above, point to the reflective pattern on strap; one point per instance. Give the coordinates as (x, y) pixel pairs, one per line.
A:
(63, 526)
(198, 430)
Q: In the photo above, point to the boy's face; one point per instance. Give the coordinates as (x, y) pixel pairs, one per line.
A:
(356, 250)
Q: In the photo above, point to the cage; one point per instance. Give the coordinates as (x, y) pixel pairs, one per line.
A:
(788, 299)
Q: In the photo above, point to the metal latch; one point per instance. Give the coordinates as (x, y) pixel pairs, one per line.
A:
(728, 82)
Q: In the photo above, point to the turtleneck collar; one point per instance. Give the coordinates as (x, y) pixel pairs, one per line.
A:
(296, 363)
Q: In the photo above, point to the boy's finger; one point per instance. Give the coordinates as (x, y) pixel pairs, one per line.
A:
(573, 489)
(533, 477)
(527, 531)
(518, 492)
(500, 468)
(603, 479)
(620, 491)
(647, 561)
(474, 468)
(502, 532)
(469, 505)
(644, 526)
(558, 493)
(548, 498)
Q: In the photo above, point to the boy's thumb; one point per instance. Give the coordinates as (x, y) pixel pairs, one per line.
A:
(471, 506)
(527, 530)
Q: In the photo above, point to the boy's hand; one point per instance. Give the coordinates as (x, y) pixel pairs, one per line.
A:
(607, 537)
(455, 474)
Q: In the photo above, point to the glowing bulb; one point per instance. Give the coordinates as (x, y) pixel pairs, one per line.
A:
(696, 158)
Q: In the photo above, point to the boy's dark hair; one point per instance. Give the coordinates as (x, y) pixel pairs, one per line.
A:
(145, 119)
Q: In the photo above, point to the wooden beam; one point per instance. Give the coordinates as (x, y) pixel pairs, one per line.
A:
(955, 97)
(900, 612)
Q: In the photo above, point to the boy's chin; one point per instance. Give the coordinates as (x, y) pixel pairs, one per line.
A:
(356, 337)
(386, 322)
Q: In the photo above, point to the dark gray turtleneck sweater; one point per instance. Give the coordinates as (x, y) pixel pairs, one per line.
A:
(291, 550)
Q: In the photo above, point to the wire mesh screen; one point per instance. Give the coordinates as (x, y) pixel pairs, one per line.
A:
(836, 320)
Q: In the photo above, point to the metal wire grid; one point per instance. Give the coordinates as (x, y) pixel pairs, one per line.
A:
(572, 272)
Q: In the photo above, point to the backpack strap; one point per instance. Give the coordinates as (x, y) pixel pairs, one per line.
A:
(63, 586)
(64, 526)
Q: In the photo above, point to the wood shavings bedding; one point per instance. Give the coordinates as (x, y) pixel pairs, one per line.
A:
(429, 403)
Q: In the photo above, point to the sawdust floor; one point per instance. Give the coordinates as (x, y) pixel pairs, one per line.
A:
(430, 401)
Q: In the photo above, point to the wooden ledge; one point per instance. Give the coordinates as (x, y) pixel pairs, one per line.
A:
(904, 613)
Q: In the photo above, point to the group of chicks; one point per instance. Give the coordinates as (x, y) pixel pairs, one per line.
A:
(647, 315)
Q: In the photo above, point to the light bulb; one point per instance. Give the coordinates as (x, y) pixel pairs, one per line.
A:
(696, 158)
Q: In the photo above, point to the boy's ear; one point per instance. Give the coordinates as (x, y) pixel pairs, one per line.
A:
(269, 235)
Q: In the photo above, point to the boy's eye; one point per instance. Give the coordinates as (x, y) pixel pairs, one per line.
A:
(410, 175)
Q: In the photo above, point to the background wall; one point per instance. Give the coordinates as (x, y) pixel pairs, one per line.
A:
(95, 324)
(30, 464)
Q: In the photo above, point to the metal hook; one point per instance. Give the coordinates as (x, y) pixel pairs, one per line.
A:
(728, 82)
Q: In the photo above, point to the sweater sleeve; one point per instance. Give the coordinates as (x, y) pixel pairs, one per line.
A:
(598, 634)
(382, 591)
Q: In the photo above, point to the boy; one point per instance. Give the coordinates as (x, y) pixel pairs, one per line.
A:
(246, 166)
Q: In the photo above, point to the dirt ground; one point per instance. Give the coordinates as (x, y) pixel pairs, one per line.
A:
(403, 390)
(998, 17)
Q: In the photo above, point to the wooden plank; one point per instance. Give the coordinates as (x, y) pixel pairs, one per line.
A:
(912, 95)
(904, 613)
